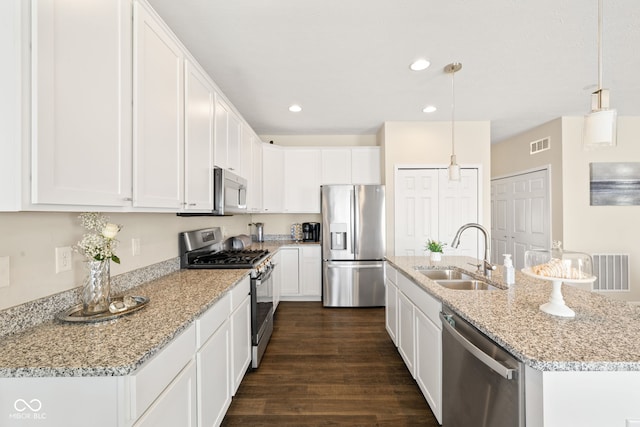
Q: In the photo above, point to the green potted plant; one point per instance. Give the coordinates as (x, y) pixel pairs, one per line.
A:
(435, 248)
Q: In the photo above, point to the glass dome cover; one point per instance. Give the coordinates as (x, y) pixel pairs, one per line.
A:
(559, 264)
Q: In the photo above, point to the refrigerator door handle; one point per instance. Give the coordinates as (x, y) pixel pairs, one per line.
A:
(354, 204)
(343, 264)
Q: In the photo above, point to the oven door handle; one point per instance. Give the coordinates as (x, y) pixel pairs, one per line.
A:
(483, 357)
(266, 275)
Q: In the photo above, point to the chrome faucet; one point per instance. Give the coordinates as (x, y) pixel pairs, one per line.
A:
(486, 262)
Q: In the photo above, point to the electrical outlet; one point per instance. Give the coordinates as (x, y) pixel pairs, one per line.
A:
(4, 271)
(135, 246)
(63, 259)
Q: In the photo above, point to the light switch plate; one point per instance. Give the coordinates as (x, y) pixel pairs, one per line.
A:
(633, 423)
(4, 271)
(63, 259)
(135, 246)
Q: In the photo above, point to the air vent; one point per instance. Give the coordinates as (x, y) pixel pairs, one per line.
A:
(540, 145)
(612, 272)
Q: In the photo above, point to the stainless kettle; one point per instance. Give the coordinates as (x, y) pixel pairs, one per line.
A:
(259, 231)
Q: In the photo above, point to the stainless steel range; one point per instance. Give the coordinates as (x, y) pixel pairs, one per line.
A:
(205, 249)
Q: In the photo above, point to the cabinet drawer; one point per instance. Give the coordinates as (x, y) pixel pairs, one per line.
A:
(156, 374)
(429, 305)
(391, 273)
(211, 320)
(239, 292)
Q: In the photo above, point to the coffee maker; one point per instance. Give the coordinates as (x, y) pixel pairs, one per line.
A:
(310, 231)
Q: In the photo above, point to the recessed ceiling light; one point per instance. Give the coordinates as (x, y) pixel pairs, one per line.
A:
(420, 64)
(295, 108)
(429, 109)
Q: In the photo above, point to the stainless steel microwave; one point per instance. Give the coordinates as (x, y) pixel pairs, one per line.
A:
(229, 193)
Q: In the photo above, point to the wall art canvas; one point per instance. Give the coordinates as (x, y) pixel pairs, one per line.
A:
(615, 184)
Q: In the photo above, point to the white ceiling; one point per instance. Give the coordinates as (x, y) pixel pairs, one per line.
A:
(346, 62)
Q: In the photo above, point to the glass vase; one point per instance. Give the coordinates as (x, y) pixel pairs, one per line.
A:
(96, 292)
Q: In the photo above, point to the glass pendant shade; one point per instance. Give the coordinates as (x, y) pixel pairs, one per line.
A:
(454, 170)
(599, 129)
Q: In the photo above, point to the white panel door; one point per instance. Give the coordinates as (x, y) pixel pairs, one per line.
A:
(429, 206)
(458, 205)
(81, 103)
(521, 209)
(416, 210)
(198, 141)
(158, 121)
(499, 214)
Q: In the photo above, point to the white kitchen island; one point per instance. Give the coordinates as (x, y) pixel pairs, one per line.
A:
(582, 371)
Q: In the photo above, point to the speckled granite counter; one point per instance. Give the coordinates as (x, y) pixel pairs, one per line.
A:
(604, 335)
(116, 347)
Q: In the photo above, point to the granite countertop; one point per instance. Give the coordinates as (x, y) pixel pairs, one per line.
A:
(120, 346)
(603, 336)
(116, 347)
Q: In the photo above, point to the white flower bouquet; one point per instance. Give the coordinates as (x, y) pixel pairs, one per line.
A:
(100, 243)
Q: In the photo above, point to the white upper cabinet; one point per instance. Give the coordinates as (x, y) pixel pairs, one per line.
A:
(81, 103)
(198, 140)
(365, 165)
(302, 180)
(227, 137)
(158, 99)
(272, 178)
(252, 168)
(336, 166)
(350, 165)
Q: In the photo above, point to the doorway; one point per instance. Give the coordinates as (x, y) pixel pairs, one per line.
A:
(429, 206)
(520, 215)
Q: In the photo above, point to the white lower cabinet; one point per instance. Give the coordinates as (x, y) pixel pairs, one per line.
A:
(188, 383)
(413, 316)
(311, 271)
(240, 332)
(406, 332)
(301, 273)
(289, 271)
(176, 406)
(391, 303)
(428, 363)
(214, 363)
(277, 279)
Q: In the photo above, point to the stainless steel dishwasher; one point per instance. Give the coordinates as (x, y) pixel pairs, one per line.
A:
(482, 384)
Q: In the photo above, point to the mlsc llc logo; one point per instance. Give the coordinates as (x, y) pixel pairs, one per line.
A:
(28, 410)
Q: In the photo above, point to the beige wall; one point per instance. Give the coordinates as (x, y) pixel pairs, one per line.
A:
(512, 156)
(600, 229)
(320, 140)
(29, 240)
(429, 144)
(281, 223)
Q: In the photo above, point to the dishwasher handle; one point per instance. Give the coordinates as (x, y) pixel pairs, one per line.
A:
(492, 363)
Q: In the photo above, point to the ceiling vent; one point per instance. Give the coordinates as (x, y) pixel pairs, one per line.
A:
(540, 145)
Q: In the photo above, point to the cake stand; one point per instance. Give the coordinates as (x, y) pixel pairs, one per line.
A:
(556, 305)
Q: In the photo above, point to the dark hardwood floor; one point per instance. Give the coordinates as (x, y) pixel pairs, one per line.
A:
(329, 367)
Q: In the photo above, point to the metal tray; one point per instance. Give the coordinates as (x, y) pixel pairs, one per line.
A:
(74, 314)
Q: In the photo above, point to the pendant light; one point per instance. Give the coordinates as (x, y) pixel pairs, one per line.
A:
(454, 168)
(600, 124)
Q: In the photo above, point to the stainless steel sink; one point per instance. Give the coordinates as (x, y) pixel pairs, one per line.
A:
(467, 285)
(445, 274)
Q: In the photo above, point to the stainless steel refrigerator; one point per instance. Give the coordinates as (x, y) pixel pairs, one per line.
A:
(353, 245)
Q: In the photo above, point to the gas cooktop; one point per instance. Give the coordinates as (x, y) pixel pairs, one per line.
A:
(241, 258)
